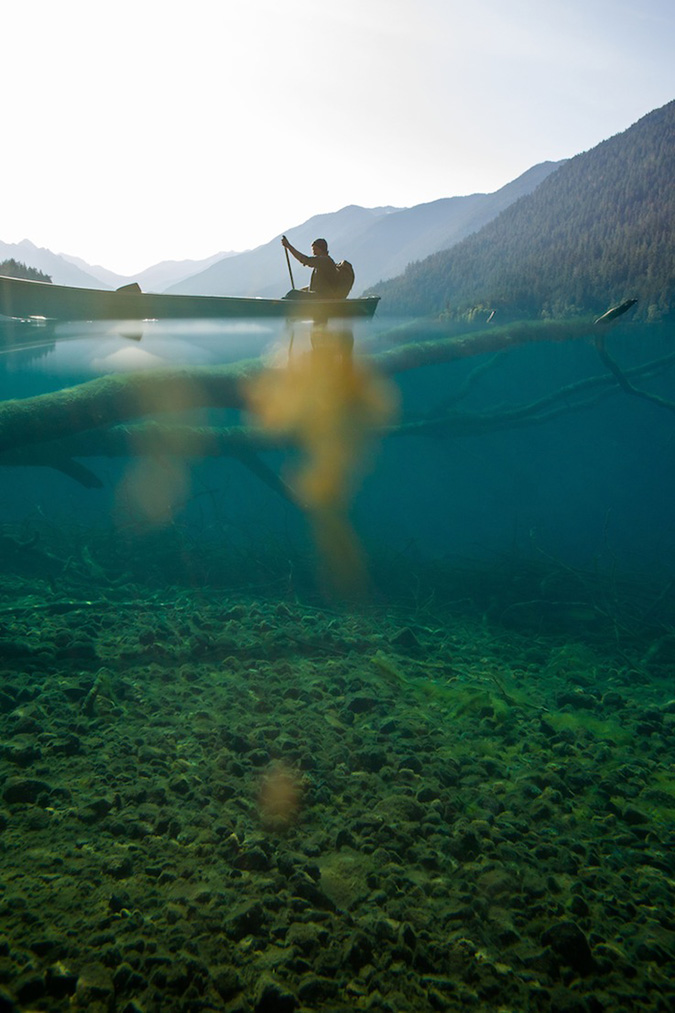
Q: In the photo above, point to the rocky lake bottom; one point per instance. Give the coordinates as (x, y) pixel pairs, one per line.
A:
(254, 802)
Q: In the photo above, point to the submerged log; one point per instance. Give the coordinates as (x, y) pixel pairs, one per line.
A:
(119, 398)
(154, 438)
(438, 348)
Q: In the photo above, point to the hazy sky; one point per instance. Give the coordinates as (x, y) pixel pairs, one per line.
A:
(148, 130)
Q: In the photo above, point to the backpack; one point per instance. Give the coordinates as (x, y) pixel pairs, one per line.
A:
(344, 280)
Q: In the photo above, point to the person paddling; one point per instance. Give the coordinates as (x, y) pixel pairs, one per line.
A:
(324, 280)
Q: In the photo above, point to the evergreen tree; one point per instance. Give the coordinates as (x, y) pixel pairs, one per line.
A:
(15, 269)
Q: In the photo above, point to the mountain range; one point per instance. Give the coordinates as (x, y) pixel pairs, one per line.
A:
(64, 269)
(380, 242)
(153, 279)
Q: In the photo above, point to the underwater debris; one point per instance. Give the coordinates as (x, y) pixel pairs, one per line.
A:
(388, 668)
(615, 312)
(102, 682)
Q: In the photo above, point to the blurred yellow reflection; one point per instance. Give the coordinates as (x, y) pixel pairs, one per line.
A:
(280, 797)
(331, 405)
(152, 491)
(156, 484)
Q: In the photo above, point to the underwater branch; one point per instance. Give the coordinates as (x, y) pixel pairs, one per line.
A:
(245, 443)
(119, 398)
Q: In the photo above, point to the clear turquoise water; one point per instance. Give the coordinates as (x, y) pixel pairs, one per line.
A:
(473, 759)
(592, 486)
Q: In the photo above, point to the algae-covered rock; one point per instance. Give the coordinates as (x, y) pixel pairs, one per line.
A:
(95, 990)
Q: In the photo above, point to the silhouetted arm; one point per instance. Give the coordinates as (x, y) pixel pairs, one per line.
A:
(305, 260)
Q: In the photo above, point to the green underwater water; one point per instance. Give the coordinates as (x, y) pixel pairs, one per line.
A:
(227, 788)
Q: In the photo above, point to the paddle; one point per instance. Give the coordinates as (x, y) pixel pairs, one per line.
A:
(288, 261)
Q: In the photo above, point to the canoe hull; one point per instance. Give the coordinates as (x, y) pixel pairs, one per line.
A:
(23, 299)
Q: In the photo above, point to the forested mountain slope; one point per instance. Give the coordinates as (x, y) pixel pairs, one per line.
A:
(597, 231)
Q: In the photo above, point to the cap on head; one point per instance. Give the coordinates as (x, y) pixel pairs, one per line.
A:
(322, 244)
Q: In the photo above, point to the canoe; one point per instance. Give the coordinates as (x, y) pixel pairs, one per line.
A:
(24, 299)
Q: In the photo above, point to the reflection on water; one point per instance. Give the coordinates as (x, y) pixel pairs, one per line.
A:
(331, 405)
(93, 348)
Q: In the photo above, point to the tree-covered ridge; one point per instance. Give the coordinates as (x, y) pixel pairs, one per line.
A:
(598, 230)
(15, 269)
